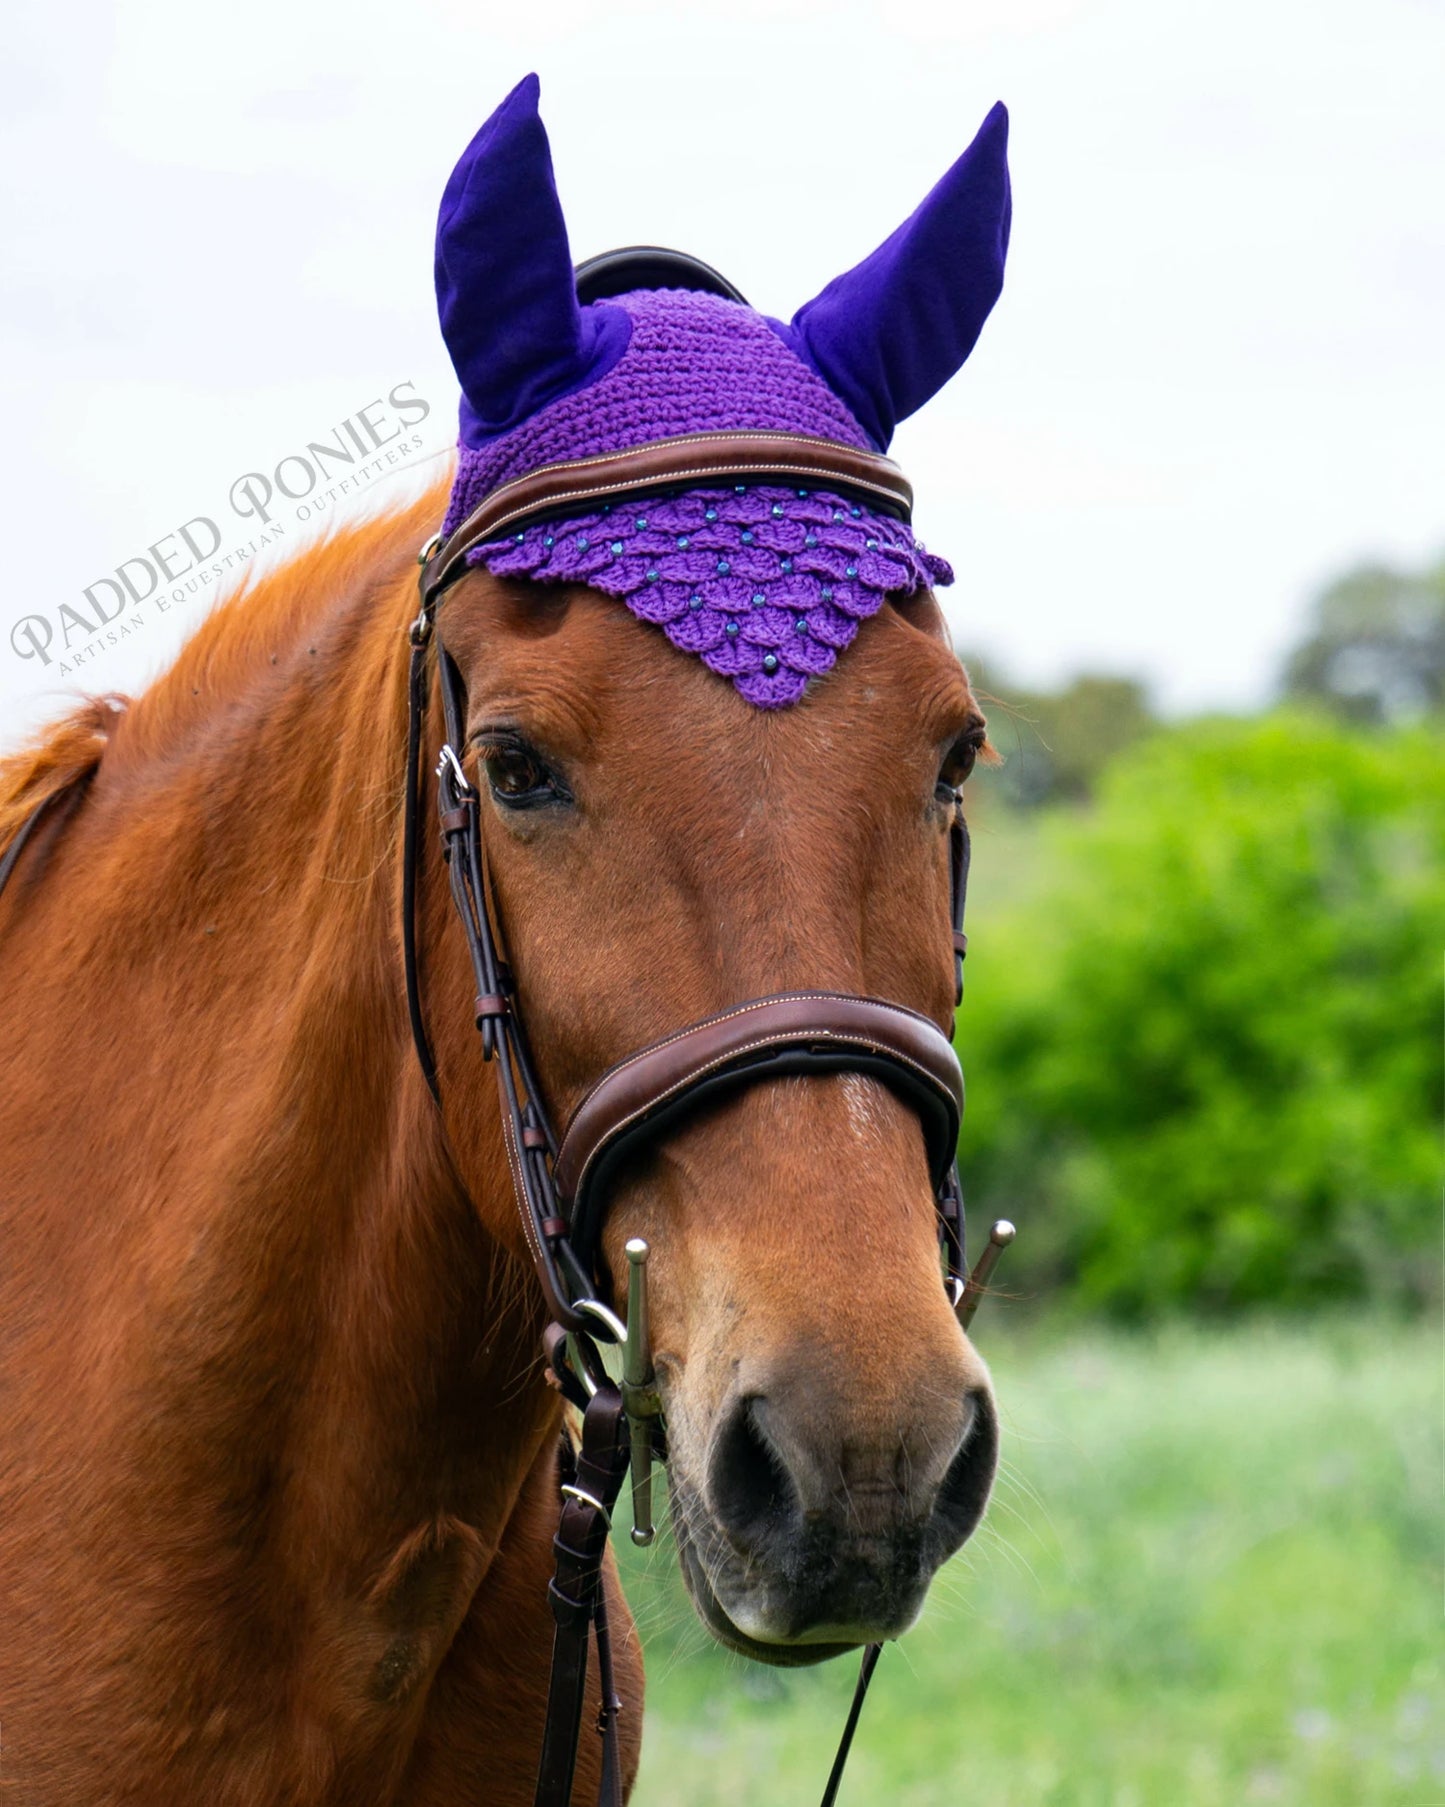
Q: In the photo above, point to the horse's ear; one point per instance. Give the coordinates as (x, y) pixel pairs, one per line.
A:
(890, 333)
(505, 289)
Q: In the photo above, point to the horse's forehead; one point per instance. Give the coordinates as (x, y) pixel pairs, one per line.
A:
(579, 672)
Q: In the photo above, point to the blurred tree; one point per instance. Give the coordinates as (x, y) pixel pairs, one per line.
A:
(1204, 1055)
(1375, 651)
(1055, 744)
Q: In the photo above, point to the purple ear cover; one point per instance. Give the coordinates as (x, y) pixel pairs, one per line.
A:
(891, 332)
(505, 289)
(766, 584)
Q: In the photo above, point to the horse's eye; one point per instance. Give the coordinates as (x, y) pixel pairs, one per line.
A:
(519, 777)
(958, 763)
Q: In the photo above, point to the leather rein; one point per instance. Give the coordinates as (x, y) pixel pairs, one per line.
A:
(561, 1182)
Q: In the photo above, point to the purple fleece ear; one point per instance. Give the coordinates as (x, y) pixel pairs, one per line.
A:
(505, 289)
(890, 333)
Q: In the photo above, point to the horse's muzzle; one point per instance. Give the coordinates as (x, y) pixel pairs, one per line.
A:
(796, 1546)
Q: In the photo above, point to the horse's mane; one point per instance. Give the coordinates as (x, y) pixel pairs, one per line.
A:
(238, 636)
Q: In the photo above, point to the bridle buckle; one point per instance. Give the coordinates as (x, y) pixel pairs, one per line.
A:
(450, 767)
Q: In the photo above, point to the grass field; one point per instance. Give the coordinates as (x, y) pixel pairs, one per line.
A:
(1211, 1576)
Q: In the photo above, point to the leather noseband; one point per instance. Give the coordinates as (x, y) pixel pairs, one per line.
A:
(639, 1100)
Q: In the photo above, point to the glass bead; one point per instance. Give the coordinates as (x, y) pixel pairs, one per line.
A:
(652, 577)
(616, 546)
(747, 537)
(731, 630)
(801, 624)
(850, 571)
(694, 602)
(810, 539)
(710, 514)
(770, 663)
(787, 567)
(776, 511)
(683, 542)
(723, 567)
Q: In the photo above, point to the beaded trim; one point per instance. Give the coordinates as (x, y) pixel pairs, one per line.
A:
(765, 584)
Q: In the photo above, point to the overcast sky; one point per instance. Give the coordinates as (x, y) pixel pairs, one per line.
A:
(1215, 377)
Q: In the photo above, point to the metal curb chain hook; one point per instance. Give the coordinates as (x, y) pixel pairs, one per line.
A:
(641, 1398)
(971, 1296)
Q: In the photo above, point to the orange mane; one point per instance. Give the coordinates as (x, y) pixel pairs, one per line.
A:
(236, 639)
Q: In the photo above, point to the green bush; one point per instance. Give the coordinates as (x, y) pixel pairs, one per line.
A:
(1204, 1049)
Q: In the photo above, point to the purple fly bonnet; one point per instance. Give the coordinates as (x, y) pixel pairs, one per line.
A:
(766, 581)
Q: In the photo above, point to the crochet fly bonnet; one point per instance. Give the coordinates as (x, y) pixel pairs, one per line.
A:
(763, 576)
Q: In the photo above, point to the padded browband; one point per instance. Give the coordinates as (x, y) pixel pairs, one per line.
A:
(805, 1032)
(693, 459)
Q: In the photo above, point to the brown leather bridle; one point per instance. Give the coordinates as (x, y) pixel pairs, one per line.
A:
(562, 1182)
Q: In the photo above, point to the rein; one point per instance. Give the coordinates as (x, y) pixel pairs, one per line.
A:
(561, 1182)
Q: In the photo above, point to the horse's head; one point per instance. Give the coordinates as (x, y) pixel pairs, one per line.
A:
(660, 850)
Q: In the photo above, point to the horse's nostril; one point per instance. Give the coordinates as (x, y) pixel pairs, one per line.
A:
(747, 1483)
(966, 1485)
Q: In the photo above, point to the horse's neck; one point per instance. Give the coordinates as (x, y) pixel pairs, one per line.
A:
(315, 1356)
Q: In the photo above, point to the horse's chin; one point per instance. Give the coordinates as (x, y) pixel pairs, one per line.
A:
(791, 1655)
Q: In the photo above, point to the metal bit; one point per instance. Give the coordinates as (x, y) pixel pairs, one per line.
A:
(640, 1397)
(999, 1237)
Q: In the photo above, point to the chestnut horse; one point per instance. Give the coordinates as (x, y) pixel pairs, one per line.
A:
(277, 1457)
